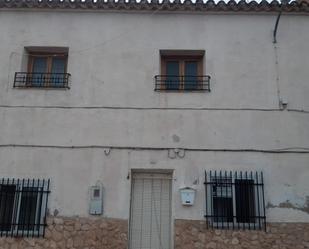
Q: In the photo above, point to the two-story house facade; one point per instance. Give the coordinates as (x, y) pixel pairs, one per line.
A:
(154, 124)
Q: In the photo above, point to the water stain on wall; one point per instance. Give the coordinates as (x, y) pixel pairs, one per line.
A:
(288, 204)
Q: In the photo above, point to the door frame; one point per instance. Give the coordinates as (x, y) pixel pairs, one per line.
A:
(172, 208)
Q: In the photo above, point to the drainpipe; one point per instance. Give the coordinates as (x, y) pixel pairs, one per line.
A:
(276, 27)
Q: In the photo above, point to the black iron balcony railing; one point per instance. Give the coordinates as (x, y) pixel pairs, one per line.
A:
(41, 80)
(182, 83)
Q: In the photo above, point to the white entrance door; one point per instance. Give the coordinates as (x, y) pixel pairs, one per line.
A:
(150, 218)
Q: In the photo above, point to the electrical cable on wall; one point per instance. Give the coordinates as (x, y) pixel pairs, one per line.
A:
(296, 150)
(154, 108)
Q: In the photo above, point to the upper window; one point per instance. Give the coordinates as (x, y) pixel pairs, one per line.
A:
(23, 207)
(46, 68)
(182, 70)
(235, 200)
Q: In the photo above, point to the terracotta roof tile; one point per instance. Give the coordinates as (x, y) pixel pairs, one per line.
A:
(299, 6)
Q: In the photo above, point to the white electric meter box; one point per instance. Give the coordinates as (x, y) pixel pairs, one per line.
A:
(96, 200)
(187, 196)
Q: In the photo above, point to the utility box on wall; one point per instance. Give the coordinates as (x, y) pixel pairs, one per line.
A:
(96, 200)
(187, 196)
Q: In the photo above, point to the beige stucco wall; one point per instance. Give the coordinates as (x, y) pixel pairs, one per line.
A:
(73, 171)
(113, 58)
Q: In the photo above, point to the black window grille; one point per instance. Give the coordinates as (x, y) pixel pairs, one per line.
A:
(235, 200)
(23, 207)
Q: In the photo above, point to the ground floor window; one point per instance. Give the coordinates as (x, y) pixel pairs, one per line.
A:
(23, 205)
(235, 200)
